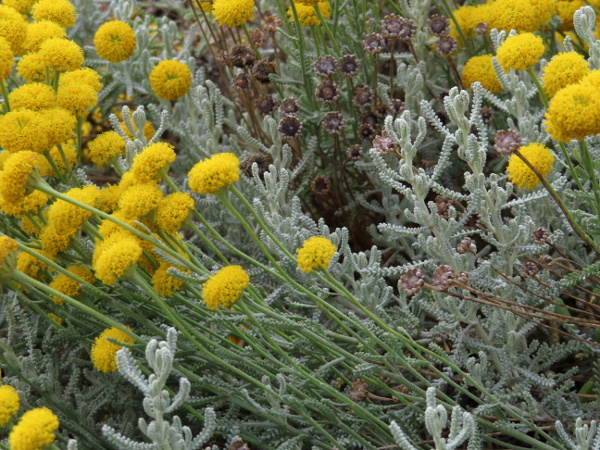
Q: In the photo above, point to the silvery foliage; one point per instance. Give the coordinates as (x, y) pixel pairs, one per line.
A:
(586, 436)
(158, 402)
(462, 426)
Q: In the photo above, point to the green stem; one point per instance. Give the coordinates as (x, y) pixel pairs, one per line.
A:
(588, 164)
(538, 86)
(6, 104)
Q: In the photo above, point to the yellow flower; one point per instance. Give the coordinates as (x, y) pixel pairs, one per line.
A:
(307, 15)
(164, 283)
(225, 287)
(564, 69)
(6, 59)
(9, 402)
(68, 286)
(591, 79)
(149, 164)
(65, 215)
(140, 200)
(55, 240)
(112, 262)
(15, 175)
(115, 41)
(574, 113)
(520, 52)
(520, 15)
(32, 96)
(565, 10)
(520, 174)
(34, 431)
(315, 254)
(28, 204)
(172, 211)
(105, 148)
(46, 170)
(40, 32)
(77, 98)
(104, 352)
(60, 125)
(171, 79)
(233, 13)
(32, 266)
(61, 54)
(468, 17)
(23, 6)
(84, 75)
(13, 27)
(23, 130)
(32, 67)
(108, 201)
(480, 68)
(61, 12)
(206, 5)
(211, 175)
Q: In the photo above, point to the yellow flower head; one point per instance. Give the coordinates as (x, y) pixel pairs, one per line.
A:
(307, 15)
(211, 175)
(40, 32)
(68, 286)
(32, 67)
(13, 27)
(480, 68)
(55, 240)
(61, 54)
(140, 200)
(164, 283)
(35, 430)
(225, 287)
(171, 79)
(315, 254)
(520, 52)
(9, 402)
(34, 96)
(565, 10)
(77, 98)
(105, 148)
(564, 69)
(591, 79)
(108, 201)
(468, 17)
(15, 175)
(149, 164)
(65, 215)
(84, 75)
(8, 256)
(60, 125)
(172, 211)
(46, 169)
(61, 12)
(233, 13)
(23, 6)
(520, 15)
(23, 130)
(520, 174)
(574, 113)
(104, 352)
(32, 266)
(6, 59)
(29, 227)
(114, 261)
(115, 41)
(29, 204)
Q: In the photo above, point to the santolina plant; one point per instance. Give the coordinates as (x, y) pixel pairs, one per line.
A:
(299, 224)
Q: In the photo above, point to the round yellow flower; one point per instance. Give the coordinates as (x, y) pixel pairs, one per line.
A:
(34, 431)
(33, 96)
(60, 125)
(61, 12)
(172, 211)
(77, 98)
(591, 79)
(40, 32)
(115, 41)
(307, 15)
(29, 204)
(315, 254)
(54, 240)
(520, 15)
(480, 68)
(562, 70)
(105, 148)
(9, 400)
(574, 113)
(164, 283)
(32, 67)
(23, 6)
(68, 286)
(566, 10)
(61, 54)
(32, 266)
(149, 164)
(171, 79)
(114, 261)
(108, 201)
(140, 200)
(104, 352)
(6, 59)
(520, 174)
(23, 130)
(15, 175)
(211, 175)
(233, 13)
(65, 215)
(84, 75)
(520, 52)
(13, 27)
(225, 287)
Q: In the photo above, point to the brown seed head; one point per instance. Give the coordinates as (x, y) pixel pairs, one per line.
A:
(362, 95)
(487, 114)
(464, 246)
(241, 81)
(271, 23)
(355, 152)
(443, 277)
(396, 27)
(333, 122)
(540, 236)
(289, 106)
(265, 104)
(481, 28)
(438, 25)
(474, 221)
(370, 118)
(546, 261)
(262, 69)
(327, 92)
(384, 144)
(396, 106)
(529, 270)
(374, 43)
(262, 160)
(412, 281)
(257, 37)
(443, 205)
(320, 185)
(446, 46)
(507, 142)
(360, 390)
(462, 278)
(366, 132)
(242, 55)
(325, 66)
(290, 127)
(348, 65)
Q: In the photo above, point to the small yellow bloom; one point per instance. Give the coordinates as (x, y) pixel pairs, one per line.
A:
(77, 98)
(6, 59)
(29, 204)
(307, 15)
(65, 215)
(108, 201)
(139, 200)
(24, 130)
(520, 174)
(105, 148)
(61, 54)
(171, 79)
(60, 125)
(8, 256)
(211, 175)
(32, 67)
(68, 286)
(112, 262)
(574, 113)
(61, 12)
(172, 211)
(104, 352)
(55, 240)
(480, 68)
(23, 6)
(32, 266)
(233, 13)
(315, 254)
(520, 52)
(13, 28)
(40, 32)
(520, 15)
(57, 319)
(164, 283)
(9, 403)
(155, 158)
(84, 75)
(15, 175)
(34, 431)
(115, 41)
(33, 96)
(225, 287)
(562, 70)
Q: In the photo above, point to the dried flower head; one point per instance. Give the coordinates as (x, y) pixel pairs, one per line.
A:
(355, 152)
(325, 66)
(507, 142)
(412, 281)
(366, 132)
(289, 106)
(384, 144)
(262, 160)
(348, 65)
(546, 261)
(362, 95)
(374, 43)
(360, 390)
(446, 46)
(443, 277)
(315, 254)
(271, 23)
(327, 92)
(242, 55)
(265, 104)
(396, 106)
(530, 269)
(464, 246)
(370, 118)
(438, 25)
(320, 185)
(487, 114)
(257, 37)
(462, 278)
(481, 28)
(290, 127)
(474, 221)
(333, 122)
(396, 27)
(241, 81)
(262, 69)
(540, 236)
